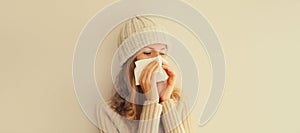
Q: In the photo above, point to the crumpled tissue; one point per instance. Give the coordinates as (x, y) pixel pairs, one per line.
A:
(161, 75)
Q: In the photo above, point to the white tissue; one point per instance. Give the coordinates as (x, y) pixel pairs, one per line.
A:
(161, 75)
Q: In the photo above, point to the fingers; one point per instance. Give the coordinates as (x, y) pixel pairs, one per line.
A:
(166, 93)
(172, 77)
(147, 76)
(147, 81)
(168, 70)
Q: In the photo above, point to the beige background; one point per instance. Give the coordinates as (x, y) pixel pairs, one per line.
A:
(260, 41)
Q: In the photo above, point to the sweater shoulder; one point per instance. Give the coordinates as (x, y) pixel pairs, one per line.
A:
(108, 120)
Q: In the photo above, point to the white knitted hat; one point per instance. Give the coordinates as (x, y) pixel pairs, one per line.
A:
(137, 33)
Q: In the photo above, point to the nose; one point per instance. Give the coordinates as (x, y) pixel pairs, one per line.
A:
(155, 53)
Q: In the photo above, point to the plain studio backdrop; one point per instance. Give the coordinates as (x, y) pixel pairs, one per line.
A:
(260, 40)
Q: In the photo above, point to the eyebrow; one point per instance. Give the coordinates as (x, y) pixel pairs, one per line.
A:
(153, 48)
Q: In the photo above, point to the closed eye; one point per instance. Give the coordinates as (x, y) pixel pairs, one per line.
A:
(162, 53)
(147, 53)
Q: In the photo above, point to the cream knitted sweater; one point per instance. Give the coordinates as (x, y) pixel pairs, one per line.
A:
(164, 117)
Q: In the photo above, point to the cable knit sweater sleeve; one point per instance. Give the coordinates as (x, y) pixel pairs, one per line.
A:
(173, 118)
(150, 117)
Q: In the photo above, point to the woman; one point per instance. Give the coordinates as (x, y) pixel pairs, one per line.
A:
(142, 103)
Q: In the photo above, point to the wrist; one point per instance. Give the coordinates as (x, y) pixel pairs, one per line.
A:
(162, 99)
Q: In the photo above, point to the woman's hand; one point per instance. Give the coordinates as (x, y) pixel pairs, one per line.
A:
(166, 93)
(148, 83)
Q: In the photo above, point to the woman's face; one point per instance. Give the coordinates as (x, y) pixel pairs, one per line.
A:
(151, 51)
